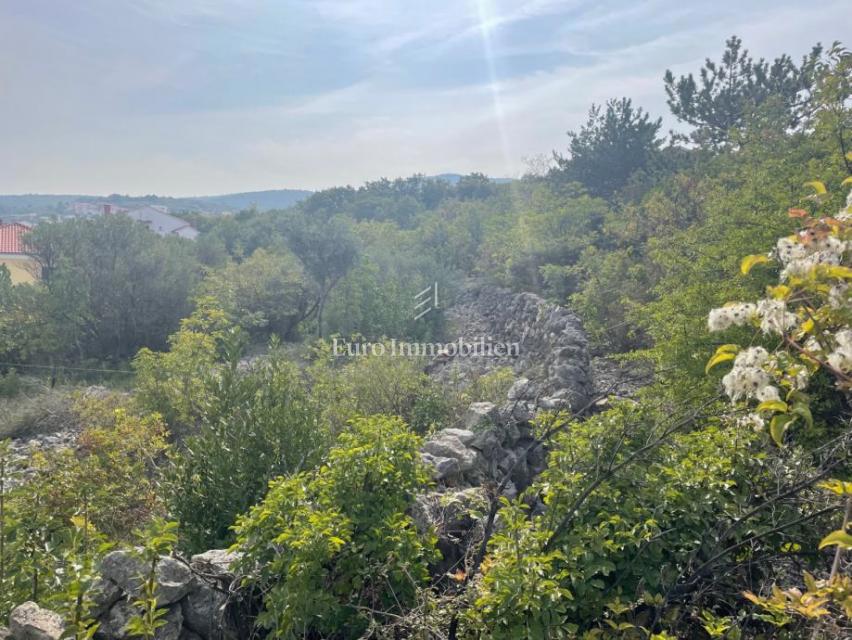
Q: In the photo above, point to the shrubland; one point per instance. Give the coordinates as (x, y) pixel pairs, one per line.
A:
(708, 505)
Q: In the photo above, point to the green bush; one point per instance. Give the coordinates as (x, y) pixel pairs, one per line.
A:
(377, 384)
(58, 519)
(267, 293)
(255, 424)
(333, 550)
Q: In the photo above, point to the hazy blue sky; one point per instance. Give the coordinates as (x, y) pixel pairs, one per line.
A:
(186, 97)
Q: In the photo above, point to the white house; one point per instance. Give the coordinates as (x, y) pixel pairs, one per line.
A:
(163, 223)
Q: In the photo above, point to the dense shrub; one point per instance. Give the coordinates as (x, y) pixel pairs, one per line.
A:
(333, 550)
(267, 293)
(58, 516)
(375, 384)
(256, 423)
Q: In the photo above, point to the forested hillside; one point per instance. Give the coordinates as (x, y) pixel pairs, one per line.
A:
(712, 502)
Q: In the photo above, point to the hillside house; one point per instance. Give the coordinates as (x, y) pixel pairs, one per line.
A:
(162, 223)
(13, 252)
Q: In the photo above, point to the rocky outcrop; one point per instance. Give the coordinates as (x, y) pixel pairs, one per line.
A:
(123, 569)
(29, 621)
(195, 597)
(495, 442)
(552, 354)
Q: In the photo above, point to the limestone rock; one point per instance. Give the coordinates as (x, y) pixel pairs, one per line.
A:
(216, 562)
(107, 593)
(203, 611)
(174, 579)
(114, 624)
(480, 415)
(442, 467)
(519, 389)
(446, 445)
(464, 435)
(29, 621)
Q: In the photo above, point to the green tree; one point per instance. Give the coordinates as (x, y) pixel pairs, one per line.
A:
(732, 91)
(266, 293)
(113, 285)
(328, 250)
(615, 142)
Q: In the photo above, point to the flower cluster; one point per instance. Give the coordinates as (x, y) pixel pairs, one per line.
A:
(826, 251)
(748, 379)
(773, 315)
(841, 357)
(810, 309)
(731, 315)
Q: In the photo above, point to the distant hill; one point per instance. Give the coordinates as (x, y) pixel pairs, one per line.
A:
(262, 200)
(453, 178)
(41, 204)
(36, 205)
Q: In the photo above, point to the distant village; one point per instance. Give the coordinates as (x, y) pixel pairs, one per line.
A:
(13, 250)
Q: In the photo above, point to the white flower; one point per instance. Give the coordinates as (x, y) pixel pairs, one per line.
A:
(800, 259)
(838, 296)
(751, 357)
(788, 250)
(731, 315)
(768, 393)
(841, 357)
(799, 380)
(844, 337)
(774, 316)
(744, 382)
(752, 421)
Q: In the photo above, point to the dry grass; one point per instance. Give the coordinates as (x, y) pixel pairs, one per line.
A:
(35, 411)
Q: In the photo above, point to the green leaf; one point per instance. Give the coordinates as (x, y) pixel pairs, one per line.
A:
(837, 271)
(839, 538)
(717, 359)
(805, 412)
(778, 425)
(838, 487)
(817, 186)
(750, 261)
(728, 348)
(773, 405)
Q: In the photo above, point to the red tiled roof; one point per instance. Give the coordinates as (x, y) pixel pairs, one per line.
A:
(11, 237)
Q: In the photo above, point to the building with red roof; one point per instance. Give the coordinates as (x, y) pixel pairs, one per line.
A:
(13, 252)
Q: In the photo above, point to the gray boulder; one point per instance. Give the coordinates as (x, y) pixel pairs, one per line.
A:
(174, 579)
(519, 389)
(30, 622)
(204, 613)
(445, 445)
(442, 468)
(216, 562)
(480, 415)
(465, 436)
(107, 593)
(114, 626)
